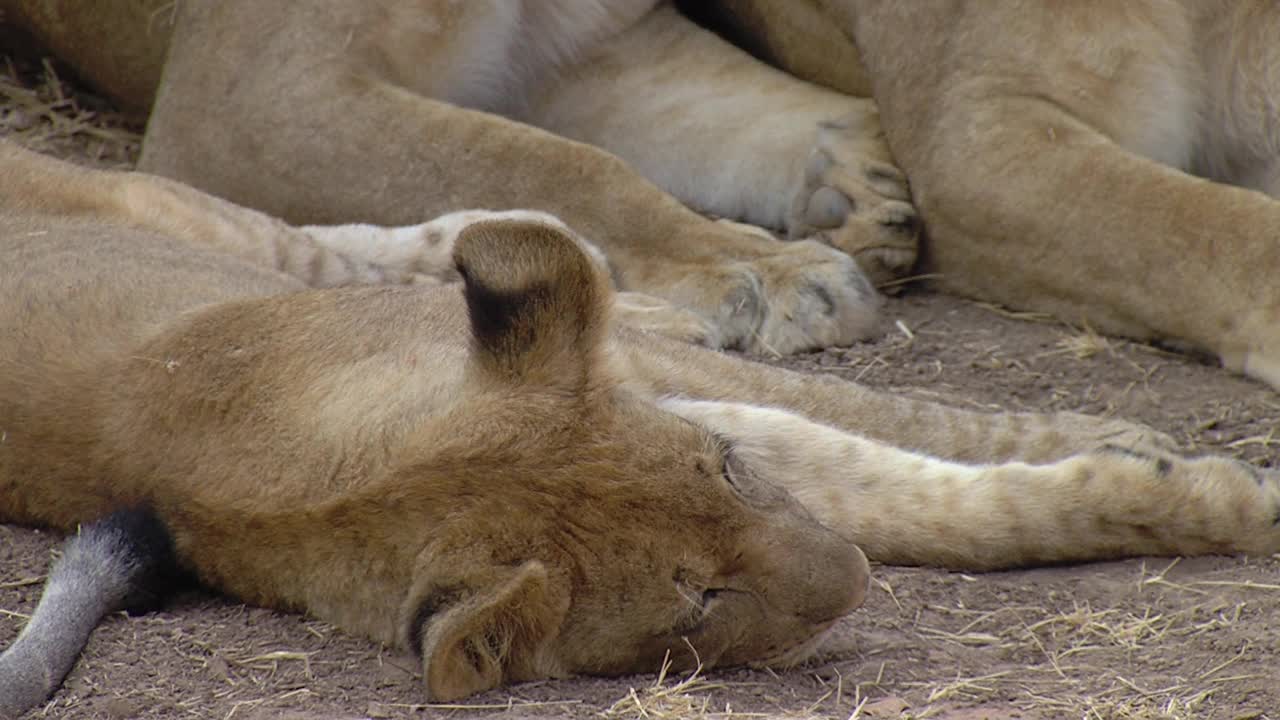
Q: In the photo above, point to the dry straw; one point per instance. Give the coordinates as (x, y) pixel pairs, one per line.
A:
(43, 112)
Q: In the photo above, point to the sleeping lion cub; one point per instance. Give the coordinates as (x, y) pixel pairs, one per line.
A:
(491, 473)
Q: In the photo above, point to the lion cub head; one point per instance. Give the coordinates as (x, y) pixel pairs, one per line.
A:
(587, 530)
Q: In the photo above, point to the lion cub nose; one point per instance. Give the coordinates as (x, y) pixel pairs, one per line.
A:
(844, 587)
(823, 577)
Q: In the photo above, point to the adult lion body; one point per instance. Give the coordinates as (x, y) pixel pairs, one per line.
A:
(1051, 150)
(392, 113)
(1116, 164)
(488, 473)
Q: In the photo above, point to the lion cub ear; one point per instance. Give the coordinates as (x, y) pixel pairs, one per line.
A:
(538, 304)
(492, 631)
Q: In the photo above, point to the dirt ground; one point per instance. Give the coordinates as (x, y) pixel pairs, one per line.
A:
(1141, 638)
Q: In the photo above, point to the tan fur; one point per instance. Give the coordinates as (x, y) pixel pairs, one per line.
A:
(346, 111)
(489, 472)
(494, 496)
(1078, 158)
(1053, 152)
(797, 35)
(895, 503)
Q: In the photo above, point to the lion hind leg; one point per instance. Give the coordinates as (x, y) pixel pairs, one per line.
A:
(700, 118)
(123, 561)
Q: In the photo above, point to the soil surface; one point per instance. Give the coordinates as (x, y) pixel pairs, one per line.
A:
(1140, 638)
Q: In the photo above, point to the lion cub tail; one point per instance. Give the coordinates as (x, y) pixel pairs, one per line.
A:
(122, 562)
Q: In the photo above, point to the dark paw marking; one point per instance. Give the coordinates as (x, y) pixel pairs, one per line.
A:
(746, 298)
(1255, 472)
(904, 220)
(1163, 466)
(884, 174)
(861, 284)
(1122, 450)
(820, 292)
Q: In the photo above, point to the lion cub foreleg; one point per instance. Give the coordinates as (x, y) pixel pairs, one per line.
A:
(31, 183)
(908, 508)
(426, 250)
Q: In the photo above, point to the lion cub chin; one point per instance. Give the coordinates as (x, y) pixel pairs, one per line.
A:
(457, 471)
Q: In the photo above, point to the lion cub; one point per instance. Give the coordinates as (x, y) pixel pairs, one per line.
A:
(457, 470)
(488, 472)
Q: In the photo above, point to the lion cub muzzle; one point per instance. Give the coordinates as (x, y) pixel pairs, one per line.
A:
(803, 575)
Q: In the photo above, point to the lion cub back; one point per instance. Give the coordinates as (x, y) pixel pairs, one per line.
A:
(75, 300)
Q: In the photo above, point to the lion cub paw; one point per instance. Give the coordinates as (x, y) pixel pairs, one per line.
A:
(855, 202)
(1117, 432)
(1206, 504)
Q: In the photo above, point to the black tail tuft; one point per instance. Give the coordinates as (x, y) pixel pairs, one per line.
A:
(143, 538)
(122, 561)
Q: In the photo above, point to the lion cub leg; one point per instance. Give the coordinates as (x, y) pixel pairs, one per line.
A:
(38, 184)
(427, 249)
(909, 508)
(733, 137)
